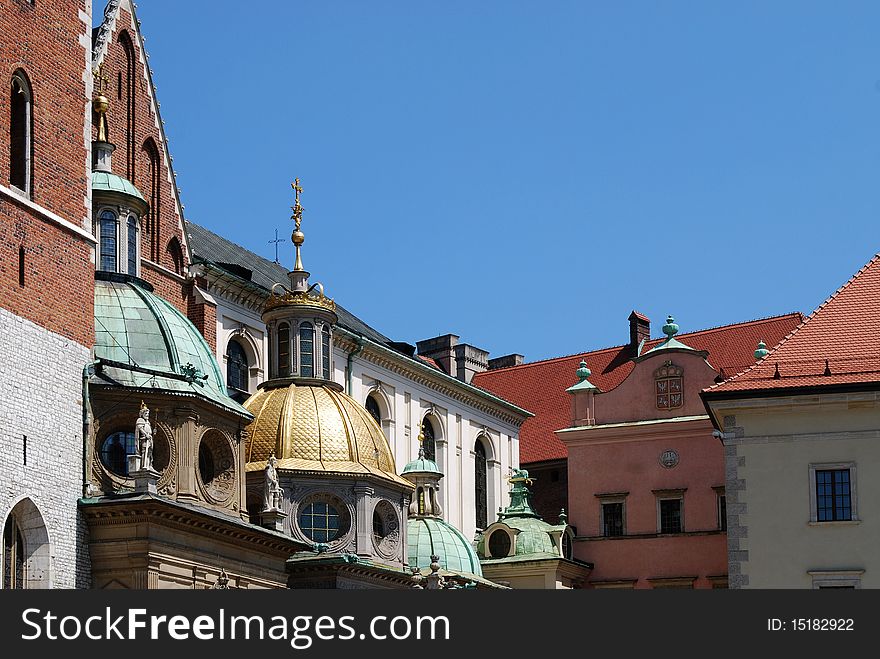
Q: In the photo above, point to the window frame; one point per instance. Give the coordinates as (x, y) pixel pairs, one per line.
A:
(481, 497)
(132, 223)
(611, 498)
(246, 366)
(16, 580)
(853, 491)
(721, 507)
(101, 219)
(24, 84)
(670, 495)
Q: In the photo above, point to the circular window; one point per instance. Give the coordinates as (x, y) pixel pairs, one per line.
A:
(323, 518)
(216, 467)
(117, 446)
(499, 544)
(386, 528)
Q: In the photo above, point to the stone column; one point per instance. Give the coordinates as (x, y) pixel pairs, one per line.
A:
(188, 453)
(364, 523)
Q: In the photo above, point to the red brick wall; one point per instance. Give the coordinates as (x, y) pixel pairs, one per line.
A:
(144, 148)
(204, 317)
(43, 39)
(550, 489)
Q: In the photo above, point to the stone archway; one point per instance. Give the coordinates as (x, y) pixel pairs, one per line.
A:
(25, 517)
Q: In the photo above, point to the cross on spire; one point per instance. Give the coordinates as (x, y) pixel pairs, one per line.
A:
(276, 241)
(296, 208)
(100, 79)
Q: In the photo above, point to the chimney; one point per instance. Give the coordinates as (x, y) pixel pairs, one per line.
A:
(441, 349)
(459, 360)
(639, 331)
(506, 361)
(470, 360)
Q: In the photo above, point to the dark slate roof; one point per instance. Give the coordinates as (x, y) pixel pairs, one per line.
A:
(207, 246)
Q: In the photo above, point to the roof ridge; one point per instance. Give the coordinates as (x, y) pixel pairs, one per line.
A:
(800, 325)
(708, 330)
(236, 245)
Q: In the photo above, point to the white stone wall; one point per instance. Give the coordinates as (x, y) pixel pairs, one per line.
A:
(405, 403)
(41, 398)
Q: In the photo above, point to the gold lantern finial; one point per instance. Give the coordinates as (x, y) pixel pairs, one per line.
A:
(297, 236)
(101, 103)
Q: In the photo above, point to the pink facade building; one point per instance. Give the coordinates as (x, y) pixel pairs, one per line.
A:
(646, 474)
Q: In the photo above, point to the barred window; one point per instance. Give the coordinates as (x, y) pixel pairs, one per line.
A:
(428, 441)
(833, 495)
(480, 485)
(612, 519)
(13, 555)
(306, 350)
(108, 240)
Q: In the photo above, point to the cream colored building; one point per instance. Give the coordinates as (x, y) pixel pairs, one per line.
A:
(801, 434)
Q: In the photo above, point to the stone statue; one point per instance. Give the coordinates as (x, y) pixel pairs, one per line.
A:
(271, 488)
(143, 436)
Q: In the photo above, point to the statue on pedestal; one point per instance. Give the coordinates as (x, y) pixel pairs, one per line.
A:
(271, 487)
(143, 435)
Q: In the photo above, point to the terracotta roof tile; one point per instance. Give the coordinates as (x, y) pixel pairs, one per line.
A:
(540, 386)
(836, 345)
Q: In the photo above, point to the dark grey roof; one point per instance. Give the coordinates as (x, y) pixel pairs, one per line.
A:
(206, 245)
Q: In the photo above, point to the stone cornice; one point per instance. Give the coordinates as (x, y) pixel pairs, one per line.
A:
(128, 511)
(47, 214)
(432, 378)
(231, 288)
(618, 433)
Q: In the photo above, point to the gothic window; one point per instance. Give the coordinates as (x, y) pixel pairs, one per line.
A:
(284, 350)
(373, 408)
(128, 92)
(480, 484)
(13, 555)
(151, 219)
(325, 351)
(132, 245)
(175, 253)
(108, 241)
(668, 386)
(20, 133)
(429, 442)
(306, 350)
(237, 370)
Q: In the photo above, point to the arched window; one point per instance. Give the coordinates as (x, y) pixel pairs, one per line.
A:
(175, 253)
(429, 442)
(372, 406)
(128, 93)
(20, 133)
(13, 555)
(108, 239)
(132, 245)
(284, 350)
(306, 350)
(480, 484)
(115, 450)
(325, 351)
(237, 369)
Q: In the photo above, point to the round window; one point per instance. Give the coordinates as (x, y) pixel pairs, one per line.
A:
(117, 446)
(499, 544)
(323, 519)
(216, 467)
(386, 528)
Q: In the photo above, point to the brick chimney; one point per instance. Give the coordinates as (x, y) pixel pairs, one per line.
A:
(505, 361)
(639, 330)
(459, 360)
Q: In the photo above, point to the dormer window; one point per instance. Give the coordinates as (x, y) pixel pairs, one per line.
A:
(668, 386)
(118, 232)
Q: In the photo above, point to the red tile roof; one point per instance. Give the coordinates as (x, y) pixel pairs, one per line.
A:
(430, 362)
(540, 386)
(838, 344)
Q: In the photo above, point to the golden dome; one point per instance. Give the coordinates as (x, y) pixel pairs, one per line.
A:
(317, 428)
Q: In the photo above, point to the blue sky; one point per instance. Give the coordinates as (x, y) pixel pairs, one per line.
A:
(525, 174)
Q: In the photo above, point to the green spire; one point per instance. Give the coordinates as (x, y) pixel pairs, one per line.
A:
(762, 351)
(670, 329)
(583, 372)
(520, 496)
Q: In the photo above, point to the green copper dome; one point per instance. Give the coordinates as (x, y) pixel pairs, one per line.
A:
(421, 465)
(429, 536)
(110, 182)
(147, 343)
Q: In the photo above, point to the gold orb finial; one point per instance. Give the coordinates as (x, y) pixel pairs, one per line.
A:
(297, 237)
(101, 103)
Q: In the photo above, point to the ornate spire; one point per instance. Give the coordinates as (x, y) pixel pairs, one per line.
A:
(297, 236)
(670, 329)
(520, 496)
(583, 372)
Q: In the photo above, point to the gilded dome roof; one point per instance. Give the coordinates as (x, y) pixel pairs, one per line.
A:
(432, 536)
(314, 426)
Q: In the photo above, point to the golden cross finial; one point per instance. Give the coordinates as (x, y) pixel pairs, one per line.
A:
(100, 79)
(296, 208)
